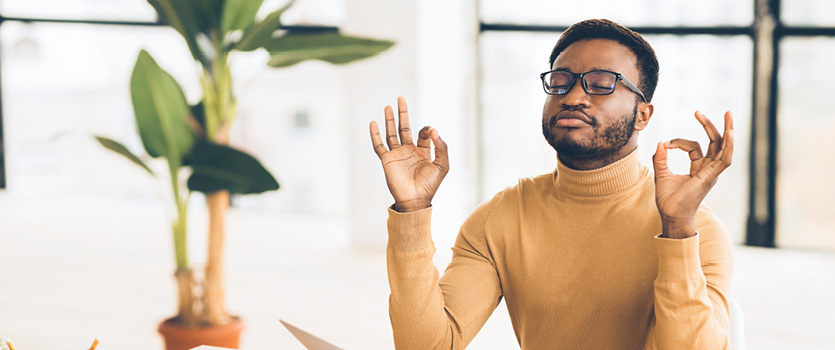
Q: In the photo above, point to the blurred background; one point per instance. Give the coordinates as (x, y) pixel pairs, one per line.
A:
(85, 241)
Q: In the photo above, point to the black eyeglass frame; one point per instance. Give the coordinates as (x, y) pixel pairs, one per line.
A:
(618, 77)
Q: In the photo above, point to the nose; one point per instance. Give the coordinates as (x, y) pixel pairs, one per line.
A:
(576, 96)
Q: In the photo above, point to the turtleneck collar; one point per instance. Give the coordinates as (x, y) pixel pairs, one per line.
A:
(610, 179)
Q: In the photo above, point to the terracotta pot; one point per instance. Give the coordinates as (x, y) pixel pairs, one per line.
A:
(184, 338)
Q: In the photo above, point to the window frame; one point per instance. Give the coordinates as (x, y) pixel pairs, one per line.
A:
(4, 19)
(767, 31)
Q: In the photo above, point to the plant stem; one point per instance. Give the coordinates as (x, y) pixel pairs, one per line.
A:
(179, 229)
(212, 119)
(218, 100)
(218, 204)
(184, 275)
(185, 297)
(220, 111)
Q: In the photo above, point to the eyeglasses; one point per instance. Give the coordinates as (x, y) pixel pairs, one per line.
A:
(596, 82)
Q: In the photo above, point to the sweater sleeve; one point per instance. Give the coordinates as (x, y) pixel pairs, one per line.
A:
(692, 288)
(431, 313)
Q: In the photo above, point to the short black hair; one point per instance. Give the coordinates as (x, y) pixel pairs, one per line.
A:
(606, 29)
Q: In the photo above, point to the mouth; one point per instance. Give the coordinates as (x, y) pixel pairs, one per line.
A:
(570, 119)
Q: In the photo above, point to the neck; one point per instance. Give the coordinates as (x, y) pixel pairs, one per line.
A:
(615, 177)
(591, 163)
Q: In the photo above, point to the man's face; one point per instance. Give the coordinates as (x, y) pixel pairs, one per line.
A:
(579, 125)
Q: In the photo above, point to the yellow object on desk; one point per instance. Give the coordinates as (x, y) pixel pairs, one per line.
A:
(95, 344)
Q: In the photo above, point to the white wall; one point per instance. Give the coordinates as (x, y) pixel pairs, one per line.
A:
(432, 66)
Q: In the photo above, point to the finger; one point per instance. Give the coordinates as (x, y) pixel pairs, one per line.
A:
(727, 151)
(424, 137)
(403, 116)
(441, 152)
(713, 134)
(693, 149)
(391, 135)
(376, 141)
(659, 162)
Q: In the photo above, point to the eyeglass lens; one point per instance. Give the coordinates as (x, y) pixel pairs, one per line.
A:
(596, 83)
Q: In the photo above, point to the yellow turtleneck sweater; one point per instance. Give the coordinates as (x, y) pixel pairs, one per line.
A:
(577, 257)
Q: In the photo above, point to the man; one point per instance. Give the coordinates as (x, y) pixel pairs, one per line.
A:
(599, 254)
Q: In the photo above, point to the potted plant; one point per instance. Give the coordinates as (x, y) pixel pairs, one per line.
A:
(196, 136)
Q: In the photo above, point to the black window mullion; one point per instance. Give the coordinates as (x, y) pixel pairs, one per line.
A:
(760, 230)
(2, 141)
(78, 21)
(720, 30)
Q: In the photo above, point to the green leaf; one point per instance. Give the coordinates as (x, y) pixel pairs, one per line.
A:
(331, 47)
(181, 15)
(161, 111)
(217, 167)
(119, 148)
(167, 14)
(199, 114)
(238, 14)
(260, 34)
(207, 15)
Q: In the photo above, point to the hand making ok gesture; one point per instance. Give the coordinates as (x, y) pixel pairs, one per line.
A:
(411, 174)
(679, 196)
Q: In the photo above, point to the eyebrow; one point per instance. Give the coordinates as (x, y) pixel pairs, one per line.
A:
(563, 69)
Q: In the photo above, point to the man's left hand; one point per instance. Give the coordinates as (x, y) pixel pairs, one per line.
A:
(679, 196)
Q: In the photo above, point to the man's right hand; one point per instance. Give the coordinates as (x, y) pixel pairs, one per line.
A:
(411, 174)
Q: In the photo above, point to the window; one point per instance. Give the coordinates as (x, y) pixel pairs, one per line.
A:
(707, 52)
(808, 12)
(805, 196)
(122, 10)
(629, 13)
(65, 77)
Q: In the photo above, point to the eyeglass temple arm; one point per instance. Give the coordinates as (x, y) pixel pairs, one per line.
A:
(634, 88)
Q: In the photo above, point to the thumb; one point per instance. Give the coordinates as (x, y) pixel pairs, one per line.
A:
(659, 162)
(441, 152)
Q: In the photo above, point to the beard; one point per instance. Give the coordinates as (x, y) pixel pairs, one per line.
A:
(606, 140)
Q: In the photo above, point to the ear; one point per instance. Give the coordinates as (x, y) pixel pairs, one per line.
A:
(644, 113)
